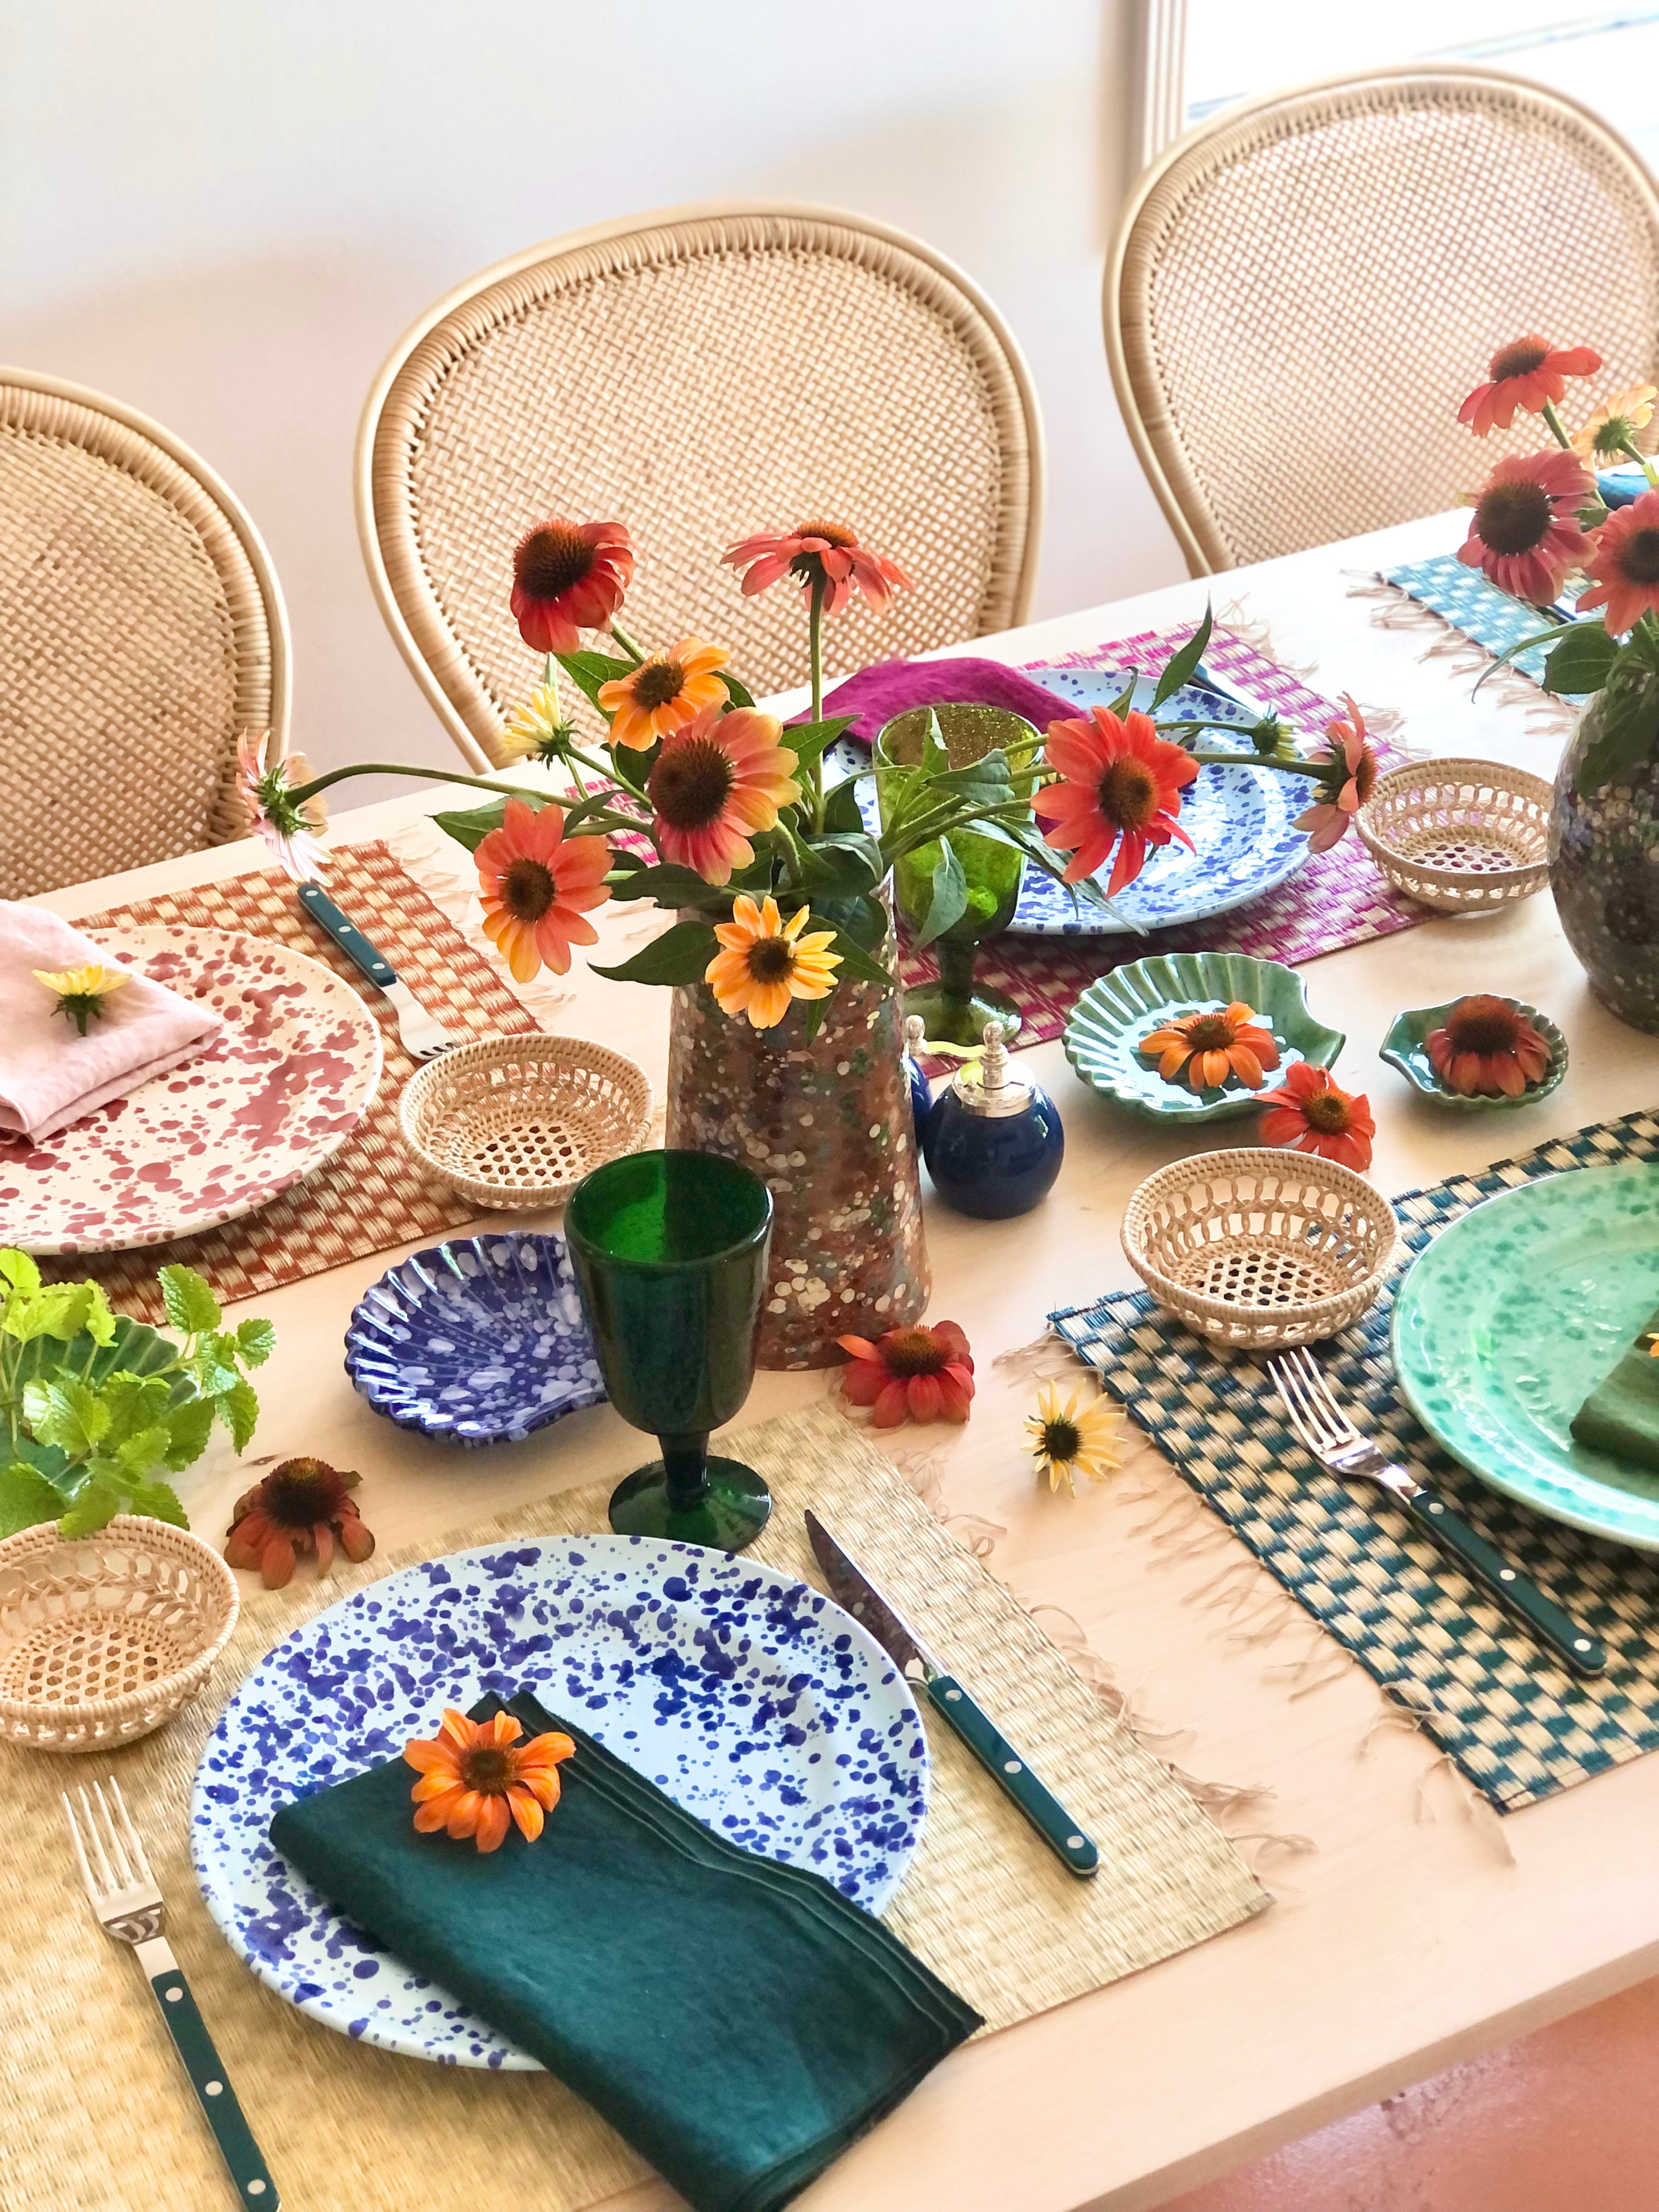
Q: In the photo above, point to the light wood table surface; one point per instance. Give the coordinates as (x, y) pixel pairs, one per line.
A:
(1407, 1936)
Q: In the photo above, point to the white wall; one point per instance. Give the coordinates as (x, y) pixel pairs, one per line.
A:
(226, 210)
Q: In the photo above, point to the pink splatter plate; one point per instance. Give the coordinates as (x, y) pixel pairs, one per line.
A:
(283, 1088)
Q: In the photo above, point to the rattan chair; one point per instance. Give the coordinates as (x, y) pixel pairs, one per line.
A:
(1302, 293)
(141, 630)
(700, 374)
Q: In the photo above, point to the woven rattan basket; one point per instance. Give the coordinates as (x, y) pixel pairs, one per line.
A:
(519, 1120)
(1464, 835)
(103, 1637)
(1260, 1250)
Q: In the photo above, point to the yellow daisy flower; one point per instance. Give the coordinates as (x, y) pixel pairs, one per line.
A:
(767, 962)
(536, 728)
(1067, 1441)
(82, 991)
(1611, 430)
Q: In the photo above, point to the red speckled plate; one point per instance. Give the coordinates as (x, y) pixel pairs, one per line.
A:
(217, 1136)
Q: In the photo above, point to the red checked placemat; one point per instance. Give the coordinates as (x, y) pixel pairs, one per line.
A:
(1338, 898)
(372, 1193)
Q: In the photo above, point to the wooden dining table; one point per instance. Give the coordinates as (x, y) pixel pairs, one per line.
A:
(1411, 1927)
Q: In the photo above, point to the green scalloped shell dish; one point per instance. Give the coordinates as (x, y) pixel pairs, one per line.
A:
(1114, 1014)
(1404, 1049)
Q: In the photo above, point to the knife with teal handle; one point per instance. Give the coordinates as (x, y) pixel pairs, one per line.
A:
(853, 1588)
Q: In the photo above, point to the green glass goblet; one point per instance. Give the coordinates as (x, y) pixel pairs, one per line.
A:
(670, 1252)
(955, 1010)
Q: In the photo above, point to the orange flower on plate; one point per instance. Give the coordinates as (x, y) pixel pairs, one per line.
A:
(1624, 565)
(721, 777)
(1213, 1049)
(765, 962)
(476, 1775)
(1526, 374)
(664, 693)
(1120, 784)
(1344, 777)
(1312, 1114)
(818, 551)
(568, 577)
(910, 1374)
(537, 887)
(1485, 1049)
(1524, 533)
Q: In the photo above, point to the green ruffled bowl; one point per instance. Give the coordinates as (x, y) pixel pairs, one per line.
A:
(1113, 1014)
(1404, 1048)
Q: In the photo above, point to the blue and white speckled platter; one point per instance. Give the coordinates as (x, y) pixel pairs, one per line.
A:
(752, 1699)
(1242, 822)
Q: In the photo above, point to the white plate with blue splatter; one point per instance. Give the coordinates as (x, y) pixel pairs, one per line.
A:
(752, 1699)
(1242, 822)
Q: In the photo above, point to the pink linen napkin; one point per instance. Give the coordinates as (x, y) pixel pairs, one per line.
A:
(875, 694)
(50, 1077)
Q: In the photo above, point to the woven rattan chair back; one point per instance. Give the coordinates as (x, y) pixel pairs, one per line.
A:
(699, 375)
(1302, 293)
(141, 630)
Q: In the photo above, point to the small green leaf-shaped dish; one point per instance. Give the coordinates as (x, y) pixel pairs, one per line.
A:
(1116, 1013)
(1406, 1048)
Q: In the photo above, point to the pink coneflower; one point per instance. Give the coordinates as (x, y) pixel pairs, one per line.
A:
(1528, 375)
(715, 781)
(1344, 776)
(1524, 535)
(910, 1374)
(1121, 784)
(289, 827)
(1625, 564)
(1485, 1049)
(538, 886)
(818, 550)
(568, 577)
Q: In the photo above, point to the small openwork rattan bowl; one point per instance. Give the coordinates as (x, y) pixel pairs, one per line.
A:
(104, 1638)
(1260, 1250)
(1464, 835)
(519, 1120)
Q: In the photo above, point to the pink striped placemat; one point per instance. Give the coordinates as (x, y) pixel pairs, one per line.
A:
(1338, 899)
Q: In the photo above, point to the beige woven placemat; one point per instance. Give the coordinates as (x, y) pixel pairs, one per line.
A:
(372, 1193)
(94, 2113)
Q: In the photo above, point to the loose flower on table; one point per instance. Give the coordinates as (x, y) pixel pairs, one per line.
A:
(305, 1505)
(1312, 1113)
(1069, 1440)
(910, 1375)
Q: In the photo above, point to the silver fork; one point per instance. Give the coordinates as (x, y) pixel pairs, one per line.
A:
(129, 1906)
(421, 1033)
(1341, 1449)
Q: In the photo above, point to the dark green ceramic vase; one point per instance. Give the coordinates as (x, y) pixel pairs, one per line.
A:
(669, 1252)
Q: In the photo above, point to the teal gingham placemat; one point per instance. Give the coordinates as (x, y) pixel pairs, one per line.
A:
(1518, 1725)
(1463, 598)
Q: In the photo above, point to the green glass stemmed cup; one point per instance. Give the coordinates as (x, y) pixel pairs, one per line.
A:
(670, 1252)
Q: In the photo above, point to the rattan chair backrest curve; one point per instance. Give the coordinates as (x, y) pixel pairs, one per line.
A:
(141, 630)
(700, 375)
(1302, 293)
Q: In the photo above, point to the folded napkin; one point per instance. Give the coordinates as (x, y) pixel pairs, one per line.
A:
(876, 694)
(50, 1077)
(1621, 1415)
(739, 2022)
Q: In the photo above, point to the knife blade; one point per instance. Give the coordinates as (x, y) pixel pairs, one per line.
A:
(869, 1605)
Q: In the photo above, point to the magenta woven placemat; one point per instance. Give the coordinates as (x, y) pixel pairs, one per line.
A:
(1338, 898)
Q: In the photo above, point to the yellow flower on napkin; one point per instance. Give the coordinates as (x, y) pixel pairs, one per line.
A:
(82, 991)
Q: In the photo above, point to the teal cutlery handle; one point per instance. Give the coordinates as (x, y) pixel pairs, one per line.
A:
(346, 934)
(231, 2131)
(1576, 1649)
(997, 1757)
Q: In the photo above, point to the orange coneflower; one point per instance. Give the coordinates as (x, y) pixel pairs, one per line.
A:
(1312, 1114)
(1524, 533)
(303, 1505)
(474, 1774)
(910, 1374)
(818, 553)
(717, 779)
(1486, 1049)
(1121, 784)
(1527, 374)
(1344, 777)
(1624, 565)
(568, 577)
(1212, 1047)
(664, 693)
(537, 884)
(767, 962)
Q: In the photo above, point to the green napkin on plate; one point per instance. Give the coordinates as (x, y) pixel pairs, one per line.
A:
(737, 2021)
(1621, 1415)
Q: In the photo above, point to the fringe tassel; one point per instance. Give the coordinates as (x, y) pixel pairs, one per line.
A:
(1479, 1814)
(1395, 610)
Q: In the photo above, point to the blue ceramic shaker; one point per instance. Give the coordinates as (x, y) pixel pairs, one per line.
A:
(993, 1141)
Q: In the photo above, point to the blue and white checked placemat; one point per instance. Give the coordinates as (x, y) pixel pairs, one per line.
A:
(1463, 598)
(1517, 1723)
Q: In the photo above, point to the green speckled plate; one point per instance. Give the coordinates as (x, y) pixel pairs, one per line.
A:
(1403, 1048)
(1511, 1318)
(1113, 1015)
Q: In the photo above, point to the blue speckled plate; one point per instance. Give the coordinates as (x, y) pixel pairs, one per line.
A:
(753, 1700)
(1510, 1318)
(481, 1340)
(1242, 822)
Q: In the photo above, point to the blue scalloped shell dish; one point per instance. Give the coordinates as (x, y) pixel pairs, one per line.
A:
(480, 1340)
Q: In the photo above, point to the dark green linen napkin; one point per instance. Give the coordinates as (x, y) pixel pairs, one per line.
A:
(1621, 1415)
(739, 2022)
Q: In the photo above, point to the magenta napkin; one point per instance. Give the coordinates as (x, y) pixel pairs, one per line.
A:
(50, 1077)
(875, 695)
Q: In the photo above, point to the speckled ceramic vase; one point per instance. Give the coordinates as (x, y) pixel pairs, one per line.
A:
(827, 1126)
(1604, 871)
